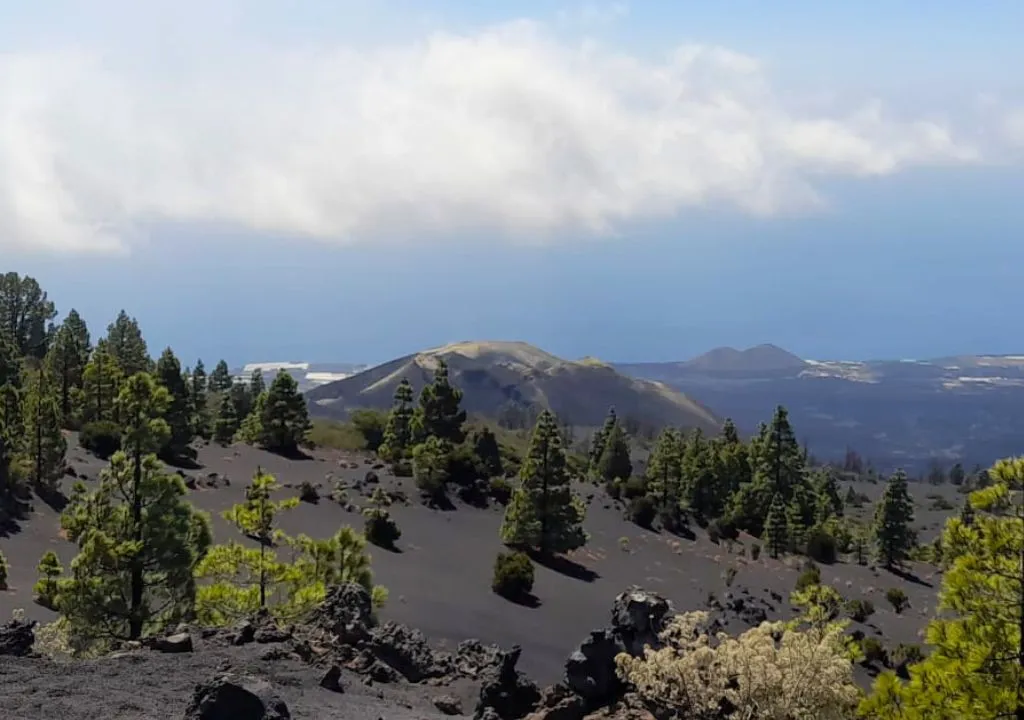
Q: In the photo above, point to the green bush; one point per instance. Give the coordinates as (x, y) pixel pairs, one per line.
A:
(808, 578)
(634, 487)
(821, 546)
(101, 438)
(642, 511)
(45, 588)
(755, 551)
(874, 651)
(898, 599)
(859, 609)
(904, 655)
(513, 575)
(308, 493)
(380, 528)
(500, 490)
(3, 571)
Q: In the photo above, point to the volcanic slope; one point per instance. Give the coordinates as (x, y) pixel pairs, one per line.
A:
(439, 577)
(496, 376)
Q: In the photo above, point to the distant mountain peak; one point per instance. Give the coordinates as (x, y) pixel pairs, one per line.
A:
(760, 358)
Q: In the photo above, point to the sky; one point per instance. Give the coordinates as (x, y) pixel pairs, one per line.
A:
(339, 181)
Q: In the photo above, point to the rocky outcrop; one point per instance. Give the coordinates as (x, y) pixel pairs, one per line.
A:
(231, 697)
(346, 614)
(17, 637)
(637, 618)
(505, 692)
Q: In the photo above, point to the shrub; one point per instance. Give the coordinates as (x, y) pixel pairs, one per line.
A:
(722, 528)
(513, 575)
(380, 528)
(859, 609)
(642, 511)
(624, 544)
(634, 487)
(904, 655)
(873, 651)
(500, 490)
(308, 492)
(729, 576)
(402, 469)
(3, 571)
(755, 551)
(898, 599)
(941, 503)
(808, 578)
(821, 546)
(101, 438)
(45, 588)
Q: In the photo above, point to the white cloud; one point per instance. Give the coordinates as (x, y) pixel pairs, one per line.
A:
(510, 131)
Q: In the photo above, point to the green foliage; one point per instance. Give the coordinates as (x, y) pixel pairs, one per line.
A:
(430, 467)
(102, 380)
(440, 412)
(820, 545)
(67, 359)
(664, 472)
(614, 463)
(487, 452)
(544, 513)
(809, 577)
(643, 511)
(859, 609)
(370, 424)
(220, 379)
(874, 651)
(513, 575)
(898, 599)
(397, 440)
(776, 526)
(308, 493)
(127, 346)
(335, 435)
(45, 443)
(179, 415)
(380, 529)
(250, 431)
(3, 571)
(893, 536)
(226, 424)
(500, 490)
(284, 418)
(257, 386)
(102, 438)
(199, 401)
(46, 588)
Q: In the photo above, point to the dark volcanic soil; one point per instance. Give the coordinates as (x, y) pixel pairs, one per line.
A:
(439, 580)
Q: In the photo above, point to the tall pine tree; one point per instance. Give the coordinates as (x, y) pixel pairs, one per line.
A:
(894, 537)
(178, 413)
(126, 344)
(775, 526)
(68, 357)
(226, 424)
(200, 408)
(615, 463)
(665, 471)
(26, 314)
(101, 383)
(220, 378)
(544, 513)
(440, 412)
(45, 444)
(257, 386)
(284, 417)
(397, 442)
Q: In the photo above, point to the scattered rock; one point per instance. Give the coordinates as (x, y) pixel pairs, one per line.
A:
(637, 618)
(231, 697)
(371, 478)
(176, 643)
(559, 703)
(506, 691)
(332, 680)
(448, 704)
(17, 637)
(242, 633)
(749, 610)
(190, 482)
(70, 471)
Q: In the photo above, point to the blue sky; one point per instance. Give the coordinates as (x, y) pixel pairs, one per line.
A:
(267, 181)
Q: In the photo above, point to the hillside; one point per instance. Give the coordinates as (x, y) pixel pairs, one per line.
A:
(758, 359)
(499, 377)
(894, 412)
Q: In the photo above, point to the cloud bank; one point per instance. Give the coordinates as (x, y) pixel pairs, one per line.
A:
(511, 131)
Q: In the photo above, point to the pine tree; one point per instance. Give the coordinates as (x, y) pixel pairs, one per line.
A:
(45, 443)
(242, 399)
(102, 380)
(597, 443)
(397, 442)
(11, 424)
(615, 463)
(256, 518)
(25, 315)
(544, 514)
(781, 461)
(430, 461)
(68, 357)
(127, 346)
(976, 665)
(487, 452)
(250, 430)
(893, 536)
(665, 470)
(256, 384)
(775, 526)
(220, 379)
(440, 413)
(177, 415)
(284, 419)
(200, 409)
(139, 539)
(226, 424)
(46, 588)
